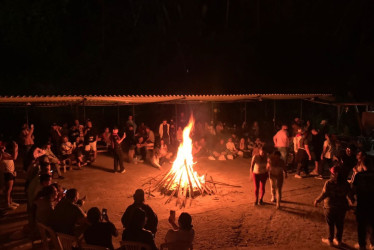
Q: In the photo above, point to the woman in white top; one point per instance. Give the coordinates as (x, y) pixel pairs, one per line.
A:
(8, 168)
(327, 152)
(183, 232)
(260, 174)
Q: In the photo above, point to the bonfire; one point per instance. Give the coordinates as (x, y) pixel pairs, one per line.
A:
(182, 181)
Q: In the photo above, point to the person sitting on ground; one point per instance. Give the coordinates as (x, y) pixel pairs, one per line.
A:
(53, 160)
(135, 230)
(276, 167)
(152, 219)
(66, 152)
(165, 155)
(335, 193)
(231, 150)
(7, 167)
(33, 159)
(45, 204)
(243, 150)
(219, 152)
(183, 232)
(100, 229)
(67, 214)
(196, 149)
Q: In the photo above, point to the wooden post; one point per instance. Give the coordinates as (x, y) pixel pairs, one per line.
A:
(274, 114)
(338, 118)
(118, 115)
(133, 113)
(27, 113)
(301, 109)
(176, 116)
(245, 112)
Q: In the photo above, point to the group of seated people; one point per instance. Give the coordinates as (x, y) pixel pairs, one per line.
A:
(62, 211)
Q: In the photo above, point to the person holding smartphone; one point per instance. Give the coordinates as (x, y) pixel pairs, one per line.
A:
(183, 232)
(100, 229)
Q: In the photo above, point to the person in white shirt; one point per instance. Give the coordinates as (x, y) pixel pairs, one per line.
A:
(282, 142)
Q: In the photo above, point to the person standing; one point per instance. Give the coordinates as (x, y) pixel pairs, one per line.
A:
(303, 155)
(164, 131)
(282, 142)
(26, 141)
(260, 174)
(7, 167)
(317, 144)
(117, 150)
(131, 122)
(276, 167)
(90, 139)
(363, 187)
(334, 194)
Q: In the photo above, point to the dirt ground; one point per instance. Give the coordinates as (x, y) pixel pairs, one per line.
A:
(226, 220)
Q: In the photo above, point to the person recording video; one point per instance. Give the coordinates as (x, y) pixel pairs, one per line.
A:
(100, 230)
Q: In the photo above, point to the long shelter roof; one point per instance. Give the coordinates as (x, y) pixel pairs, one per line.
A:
(111, 100)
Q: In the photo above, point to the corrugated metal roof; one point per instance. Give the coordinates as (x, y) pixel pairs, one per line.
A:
(103, 100)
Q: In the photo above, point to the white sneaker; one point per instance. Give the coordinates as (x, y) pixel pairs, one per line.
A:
(337, 243)
(211, 158)
(327, 242)
(122, 171)
(319, 177)
(298, 176)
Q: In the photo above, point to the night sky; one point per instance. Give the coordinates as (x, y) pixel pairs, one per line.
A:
(186, 47)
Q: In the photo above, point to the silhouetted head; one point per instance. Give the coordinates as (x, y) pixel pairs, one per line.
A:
(94, 215)
(185, 221)
(139, 196)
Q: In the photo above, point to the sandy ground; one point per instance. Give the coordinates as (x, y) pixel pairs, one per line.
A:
(225, 220)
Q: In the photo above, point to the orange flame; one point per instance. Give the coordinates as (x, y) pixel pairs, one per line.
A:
(183, 164)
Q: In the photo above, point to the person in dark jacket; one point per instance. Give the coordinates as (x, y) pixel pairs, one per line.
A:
(363, 187)
(334, 194)
(152, 219)
(135, 230)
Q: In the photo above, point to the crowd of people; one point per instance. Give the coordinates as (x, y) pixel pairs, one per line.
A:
(292, 149)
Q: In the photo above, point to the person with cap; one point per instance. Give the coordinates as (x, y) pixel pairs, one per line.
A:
(183, 232)
(336, 195)
(117, 150)
(152, 219)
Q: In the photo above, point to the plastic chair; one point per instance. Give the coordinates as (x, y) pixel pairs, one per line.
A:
(46, 231)
(132, 245)
(84, 246)
(68, 242)
(177, 245)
